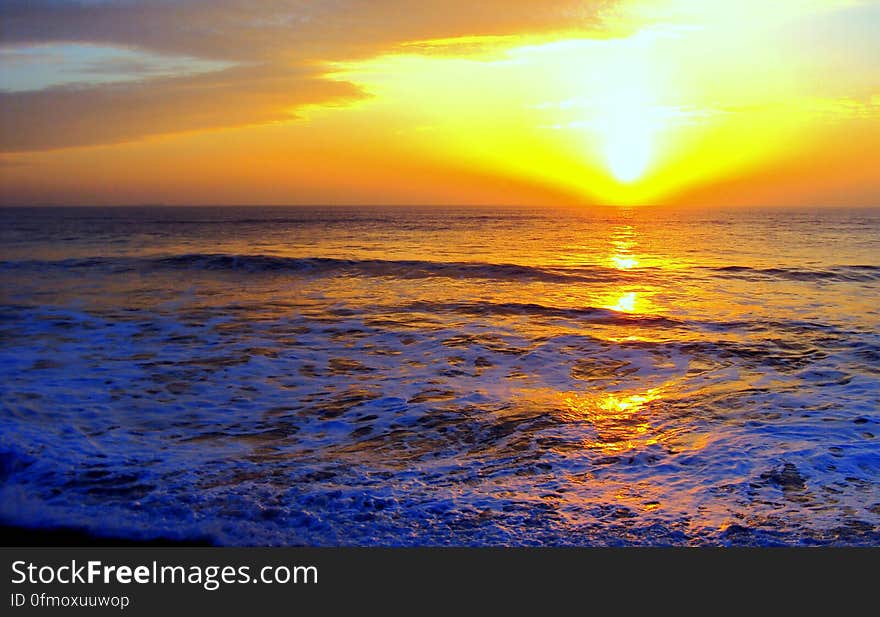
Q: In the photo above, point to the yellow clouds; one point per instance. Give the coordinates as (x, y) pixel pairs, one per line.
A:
(701, 93)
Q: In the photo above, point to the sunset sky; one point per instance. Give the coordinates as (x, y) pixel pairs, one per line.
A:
(440, 102)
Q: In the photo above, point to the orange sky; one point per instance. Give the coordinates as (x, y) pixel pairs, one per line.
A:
(560, 102)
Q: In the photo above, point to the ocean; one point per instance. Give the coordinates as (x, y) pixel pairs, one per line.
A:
(442, 376)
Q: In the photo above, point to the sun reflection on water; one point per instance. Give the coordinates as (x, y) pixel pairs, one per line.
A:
(626, 303)
(617, 418)
(624, 296)
(623, 241)
(622, 262)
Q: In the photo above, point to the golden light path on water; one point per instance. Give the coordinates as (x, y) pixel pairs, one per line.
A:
(624, 299)
(626, 418)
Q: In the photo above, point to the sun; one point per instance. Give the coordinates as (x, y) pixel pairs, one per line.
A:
(628, 152)
(627, 126)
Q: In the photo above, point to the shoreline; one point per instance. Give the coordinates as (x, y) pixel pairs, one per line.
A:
(16, 536)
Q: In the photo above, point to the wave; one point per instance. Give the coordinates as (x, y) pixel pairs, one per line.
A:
(259, 263)
(837, 273)
(326, 265)
(369, 267)
(592, 314)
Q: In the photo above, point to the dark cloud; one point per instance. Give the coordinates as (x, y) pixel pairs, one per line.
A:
(145, 67)
(276, 45)
(69, 116)
(260, 29)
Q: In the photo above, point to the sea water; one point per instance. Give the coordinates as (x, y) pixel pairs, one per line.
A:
(442, 376)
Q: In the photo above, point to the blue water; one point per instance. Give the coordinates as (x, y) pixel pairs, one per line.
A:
(403, 376)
